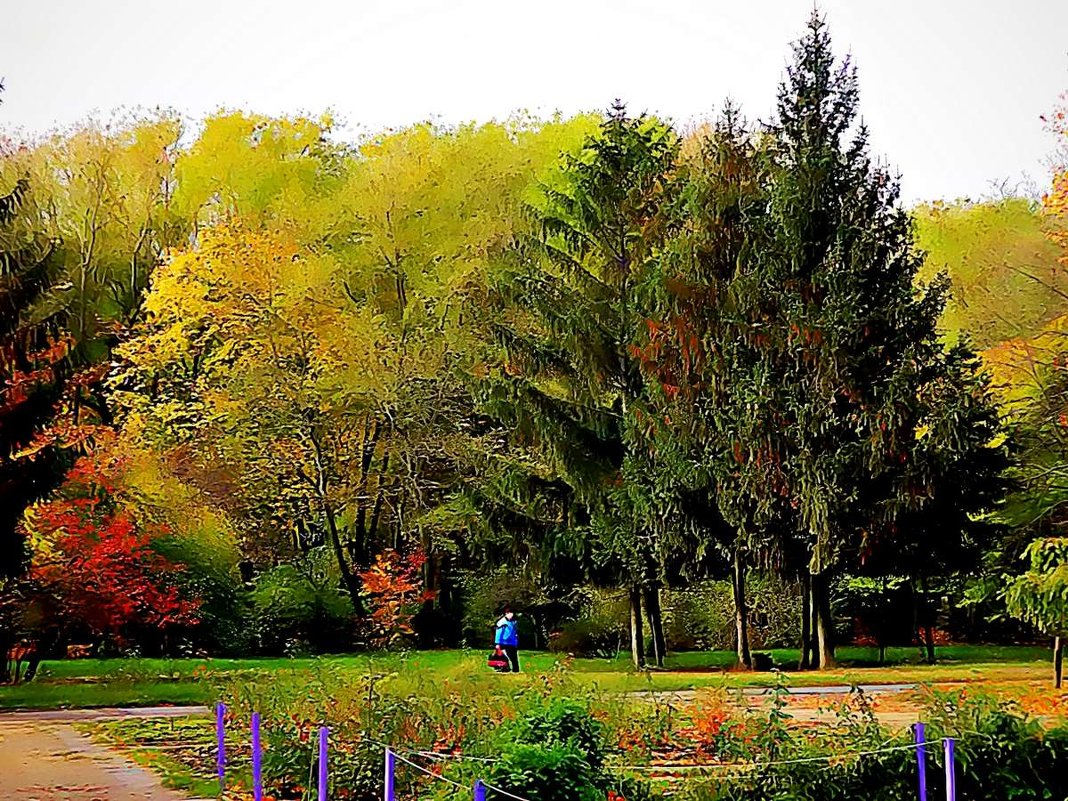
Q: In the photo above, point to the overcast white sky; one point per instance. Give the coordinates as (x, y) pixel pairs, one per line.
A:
(951, 89)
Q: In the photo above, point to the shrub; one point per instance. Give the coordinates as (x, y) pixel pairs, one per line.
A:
(301, 608)
(1002, 754)
(774, 612)
(600, 630)
(563, 722)
(556, 750)
(547, 773)
(394, 590)
(587, 638)
(211, 574)
(486, 593)
(701, 617)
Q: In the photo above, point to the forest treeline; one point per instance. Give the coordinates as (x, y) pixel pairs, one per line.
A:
(263, 389)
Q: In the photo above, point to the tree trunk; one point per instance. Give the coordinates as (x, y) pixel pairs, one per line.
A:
(6, 641)
(370, 445)
(806, 624)
(1058, 661)
(741, 612)
(426, 630)
(352, 584)
(813, 622)
(928, 619)
(637, 636)
(915, 614)
(880, 627)
(656, 624)
(821, 601)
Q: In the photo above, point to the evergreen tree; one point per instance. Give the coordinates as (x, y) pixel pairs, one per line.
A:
(808, 391)
(939, 521)
(572, 305)
(32, 373)
(851, 350)
(700, 357)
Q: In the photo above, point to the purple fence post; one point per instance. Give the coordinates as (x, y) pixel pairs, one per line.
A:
(323, 734)
(390, 793)
(480, 791)
(257, 759)
(951, 773)
(921, 757)
(220, 743)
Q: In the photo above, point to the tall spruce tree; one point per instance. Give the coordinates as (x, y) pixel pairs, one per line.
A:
(571, 308)
(700, 357)
(836, 353)
(33, 369)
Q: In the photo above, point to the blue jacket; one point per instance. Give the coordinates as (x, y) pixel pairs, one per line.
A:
(507, 632)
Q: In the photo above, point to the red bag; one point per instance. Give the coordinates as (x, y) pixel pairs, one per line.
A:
(497, 660)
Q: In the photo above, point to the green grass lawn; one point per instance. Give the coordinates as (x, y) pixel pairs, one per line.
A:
(146, 682)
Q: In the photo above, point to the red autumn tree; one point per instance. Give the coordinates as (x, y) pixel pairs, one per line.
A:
(96, 565)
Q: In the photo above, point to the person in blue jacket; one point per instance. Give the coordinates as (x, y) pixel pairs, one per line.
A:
(507, 637)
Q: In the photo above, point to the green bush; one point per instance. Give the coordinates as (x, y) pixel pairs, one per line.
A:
(555, 751)
(1001, 754)
(561, 722)
(774, 612)
(600, 630)
(587, 637)
(486, 593)
(211, 574)
(547, 773)
(298, 609)
(701, 617)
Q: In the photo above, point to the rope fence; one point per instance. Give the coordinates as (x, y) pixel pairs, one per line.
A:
(481, 790)
(760, 763)
(426, 772)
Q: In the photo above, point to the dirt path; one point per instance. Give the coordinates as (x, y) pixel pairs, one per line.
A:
(42, 758)
(764, 692)
(807, 704)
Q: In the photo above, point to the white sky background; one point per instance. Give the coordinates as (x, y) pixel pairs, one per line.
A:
(952, 90)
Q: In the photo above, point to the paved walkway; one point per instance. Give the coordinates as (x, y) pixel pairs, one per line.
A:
(42, 758)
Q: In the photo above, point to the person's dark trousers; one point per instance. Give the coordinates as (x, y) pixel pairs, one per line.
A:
(512, 651)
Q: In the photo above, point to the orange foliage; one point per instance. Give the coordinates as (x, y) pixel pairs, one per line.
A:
(394, 590)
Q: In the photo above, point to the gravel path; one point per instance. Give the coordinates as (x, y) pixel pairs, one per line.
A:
(43, 758)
